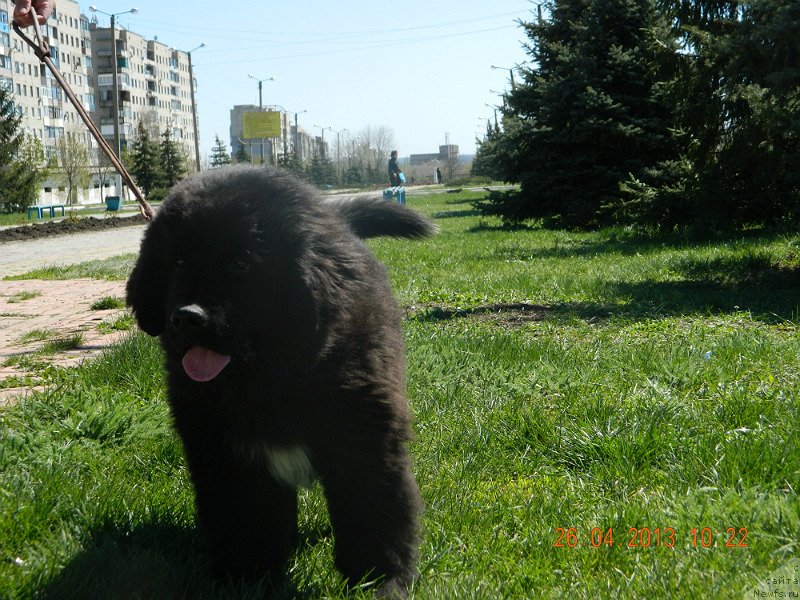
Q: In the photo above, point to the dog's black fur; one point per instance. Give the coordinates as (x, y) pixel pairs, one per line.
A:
(249, 263)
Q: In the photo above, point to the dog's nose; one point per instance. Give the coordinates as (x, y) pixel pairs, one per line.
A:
(189, 318)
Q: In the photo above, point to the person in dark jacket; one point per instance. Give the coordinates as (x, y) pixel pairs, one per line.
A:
(394, 170)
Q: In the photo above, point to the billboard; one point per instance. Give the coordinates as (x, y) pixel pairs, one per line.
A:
(261, 125)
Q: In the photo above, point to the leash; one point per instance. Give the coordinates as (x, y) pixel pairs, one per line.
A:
(42, 52)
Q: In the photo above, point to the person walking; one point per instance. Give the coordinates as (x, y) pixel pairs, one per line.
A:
(395, 171)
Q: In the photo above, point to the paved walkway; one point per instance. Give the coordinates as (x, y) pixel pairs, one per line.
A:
(34, 312)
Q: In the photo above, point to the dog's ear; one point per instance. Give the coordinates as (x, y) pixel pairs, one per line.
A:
(147, 285)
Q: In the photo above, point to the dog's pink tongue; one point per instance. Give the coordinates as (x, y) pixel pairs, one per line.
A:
(202, 364)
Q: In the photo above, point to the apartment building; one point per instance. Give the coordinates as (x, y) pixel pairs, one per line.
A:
(293, 139)
(46, 112)
(153, 82)
(154, 87)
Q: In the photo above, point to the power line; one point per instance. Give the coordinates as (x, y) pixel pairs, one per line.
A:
(237, 33)
(372, 46)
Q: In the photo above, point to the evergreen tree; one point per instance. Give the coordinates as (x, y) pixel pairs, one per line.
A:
(173, 160)
(758, 161)
(241, 155)
(19, 180)
(219, 153)
(291, 162)
(145, 161)
(321, 171)
(587, 114)
(737, 97)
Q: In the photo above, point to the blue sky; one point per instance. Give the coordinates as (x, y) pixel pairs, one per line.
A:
(420, 68)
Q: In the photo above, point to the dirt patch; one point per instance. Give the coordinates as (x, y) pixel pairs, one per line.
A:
(67, 226)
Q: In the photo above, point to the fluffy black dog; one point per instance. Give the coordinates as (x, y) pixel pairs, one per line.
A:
(285, 363)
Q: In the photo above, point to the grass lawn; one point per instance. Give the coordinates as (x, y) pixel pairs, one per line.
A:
(597, 415)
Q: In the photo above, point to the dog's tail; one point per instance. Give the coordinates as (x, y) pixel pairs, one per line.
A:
(373, 217)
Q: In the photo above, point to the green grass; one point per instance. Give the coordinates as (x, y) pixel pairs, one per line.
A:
(37, 335)
(61, 344)
(22, 297)
(114, 268)
(108, 303)
(560, 381)
(124, 322)
(13, 219)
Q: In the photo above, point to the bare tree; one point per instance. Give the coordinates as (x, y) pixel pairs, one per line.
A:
(451, 165)
(102, 167)
(370, 147)
(73, 164)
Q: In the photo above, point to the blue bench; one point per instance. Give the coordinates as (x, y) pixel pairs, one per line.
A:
(39, 210)
(399, 192)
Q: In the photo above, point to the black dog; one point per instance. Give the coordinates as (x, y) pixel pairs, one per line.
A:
(285, 362)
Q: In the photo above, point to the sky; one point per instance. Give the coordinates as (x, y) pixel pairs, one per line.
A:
(421, 69)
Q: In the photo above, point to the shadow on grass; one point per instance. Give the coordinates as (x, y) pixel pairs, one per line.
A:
(156, 560)
(769, 291)
(451, 214)
(483, 226)
(623, 242)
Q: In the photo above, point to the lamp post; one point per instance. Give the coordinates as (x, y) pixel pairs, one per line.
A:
(115, 83)
(296, 135)
(194, 108)
(260, 103)
(322, 135)
(338, 158)
(114, 77)
(510, 73)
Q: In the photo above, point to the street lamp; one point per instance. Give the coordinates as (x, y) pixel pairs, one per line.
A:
(322, 134)
(194, 107)
(338, 158)
(114, 79)
(296, 131)
(260, 82)
(510, 73)
(260, 103)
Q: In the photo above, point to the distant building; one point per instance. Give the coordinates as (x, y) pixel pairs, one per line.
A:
(293, 140)
(449, 151)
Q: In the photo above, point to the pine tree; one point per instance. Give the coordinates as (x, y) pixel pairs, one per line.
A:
(219, 153)
(18, 180)
(321, 171)
(241, 155)
(587, 114)
(146, 161)
(173, 160)
(736, 93)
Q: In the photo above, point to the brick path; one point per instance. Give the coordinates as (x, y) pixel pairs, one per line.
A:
(63, 307)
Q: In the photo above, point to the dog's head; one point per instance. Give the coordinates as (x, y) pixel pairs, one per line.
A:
(221, 274)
